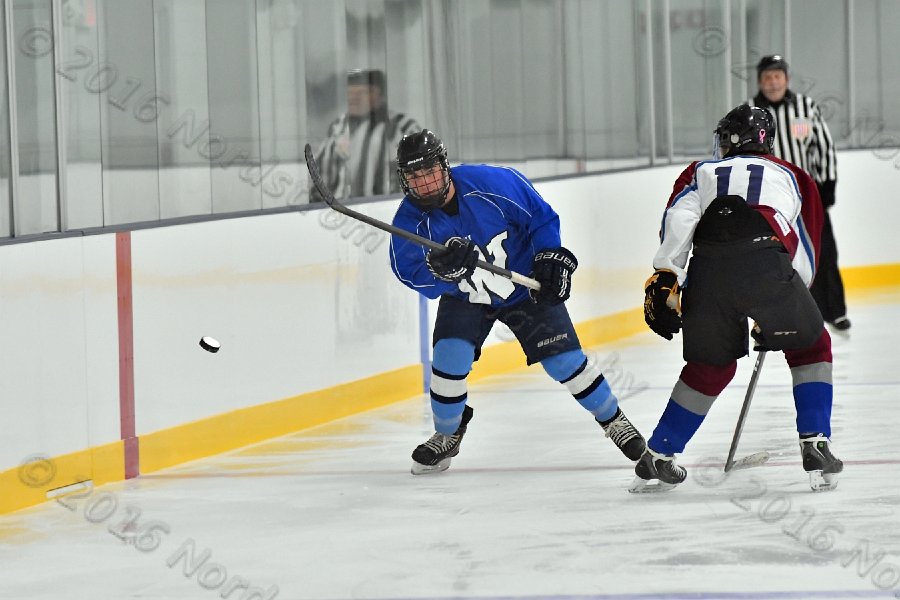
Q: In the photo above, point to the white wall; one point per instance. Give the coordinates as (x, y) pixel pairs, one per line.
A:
(58, 354)
(867, 208)
(298, 303)
(295, 306)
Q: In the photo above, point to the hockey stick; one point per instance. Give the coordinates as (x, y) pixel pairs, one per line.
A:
(407, 235)
(758, 458)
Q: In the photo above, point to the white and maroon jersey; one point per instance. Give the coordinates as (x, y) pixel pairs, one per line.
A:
(782, 192)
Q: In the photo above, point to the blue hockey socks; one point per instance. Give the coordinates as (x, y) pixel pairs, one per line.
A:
(584, 380)
(453, 358)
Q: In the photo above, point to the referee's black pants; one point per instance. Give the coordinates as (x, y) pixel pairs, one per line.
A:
(828, 288)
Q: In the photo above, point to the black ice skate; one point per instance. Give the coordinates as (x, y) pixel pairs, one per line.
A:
(434, 455)
(819, 462)
(624, 435)
(660, 467)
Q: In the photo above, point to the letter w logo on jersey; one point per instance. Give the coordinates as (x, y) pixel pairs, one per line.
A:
(486, 283)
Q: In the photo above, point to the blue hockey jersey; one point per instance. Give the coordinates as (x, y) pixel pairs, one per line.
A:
(501, 212)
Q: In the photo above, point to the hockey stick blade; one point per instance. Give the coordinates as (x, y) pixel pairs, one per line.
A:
(331, 201)
(739, 427)
(757, 459)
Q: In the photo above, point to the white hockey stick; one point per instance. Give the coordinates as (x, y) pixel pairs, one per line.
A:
(758, 458)
(407, 235)
(751, 460)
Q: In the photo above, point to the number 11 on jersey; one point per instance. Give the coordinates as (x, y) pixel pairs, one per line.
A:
(723, 175)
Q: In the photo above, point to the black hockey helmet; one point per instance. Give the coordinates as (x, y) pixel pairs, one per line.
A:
(746, 129)
(370, 77)
(771, 61)
(421, 151)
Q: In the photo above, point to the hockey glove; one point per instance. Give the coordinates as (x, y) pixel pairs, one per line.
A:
(455, 263)
(759, 342)
(553, 269)
(662, 303)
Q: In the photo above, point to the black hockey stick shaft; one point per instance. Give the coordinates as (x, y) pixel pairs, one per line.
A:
(331, 201)
(729, 463)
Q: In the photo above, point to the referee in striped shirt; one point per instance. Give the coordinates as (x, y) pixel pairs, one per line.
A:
(802, 137)
(358, 156)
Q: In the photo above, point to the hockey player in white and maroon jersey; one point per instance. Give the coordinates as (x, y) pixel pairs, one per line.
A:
(753, 222)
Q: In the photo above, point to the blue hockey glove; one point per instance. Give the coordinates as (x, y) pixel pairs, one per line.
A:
(662, 303)
(455, 263)
(553, 269)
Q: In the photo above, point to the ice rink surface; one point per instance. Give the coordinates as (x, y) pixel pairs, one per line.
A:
(535, 506)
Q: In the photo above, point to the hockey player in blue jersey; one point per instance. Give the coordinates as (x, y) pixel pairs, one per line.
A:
(495, 214)
(753, 223)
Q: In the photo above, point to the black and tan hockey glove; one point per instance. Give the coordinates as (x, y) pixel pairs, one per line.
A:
(662, 303)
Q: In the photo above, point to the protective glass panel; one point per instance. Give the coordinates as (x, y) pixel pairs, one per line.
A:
(888, 73)
(282, 101)
(874, 120)
(189, 149)
(86, 86)
(324, 63)
(234, 105)
(763, 32)
(36, 207)
(821, 70)
(171, 110)
(129, 138)
(607, 100)
(4, 134)
(700, 75)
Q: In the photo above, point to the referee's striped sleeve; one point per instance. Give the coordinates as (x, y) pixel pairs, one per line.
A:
(823, 146)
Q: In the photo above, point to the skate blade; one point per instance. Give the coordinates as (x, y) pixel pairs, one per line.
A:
(822, 482)
(649, 486)
(420, 469)
(748, 462)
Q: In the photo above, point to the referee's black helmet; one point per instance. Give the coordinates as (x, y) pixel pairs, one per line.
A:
(771, 61)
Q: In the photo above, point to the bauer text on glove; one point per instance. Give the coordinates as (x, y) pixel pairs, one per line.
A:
(553, 268)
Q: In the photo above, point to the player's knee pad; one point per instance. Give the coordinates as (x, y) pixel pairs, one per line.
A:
(817, 352)
(562, 367)
(709, 380)
(453, 356)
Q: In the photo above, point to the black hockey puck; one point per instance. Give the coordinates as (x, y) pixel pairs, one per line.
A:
(210, 344)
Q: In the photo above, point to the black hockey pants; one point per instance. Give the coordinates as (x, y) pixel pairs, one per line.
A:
(728, 283)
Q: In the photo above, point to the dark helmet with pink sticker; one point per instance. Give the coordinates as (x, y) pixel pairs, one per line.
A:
(746, 130)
